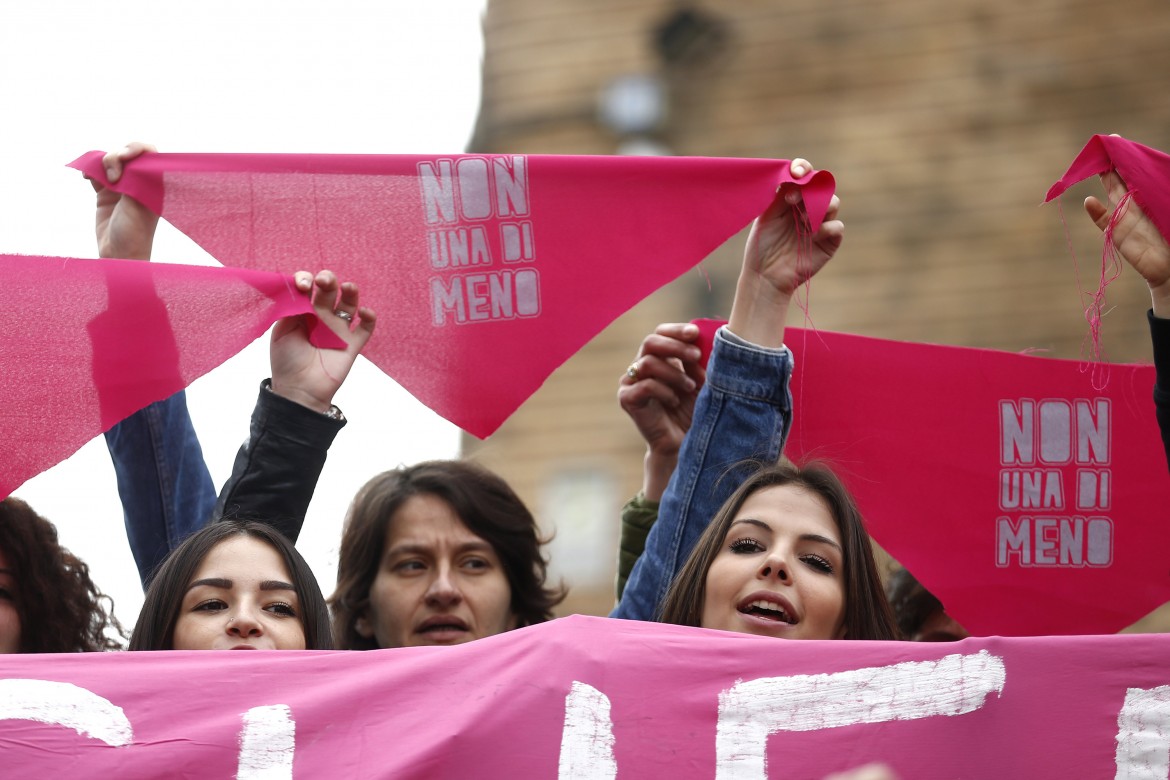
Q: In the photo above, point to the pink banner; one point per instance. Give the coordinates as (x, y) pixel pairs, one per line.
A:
(100, 339)
(595, 698)
(487, 272)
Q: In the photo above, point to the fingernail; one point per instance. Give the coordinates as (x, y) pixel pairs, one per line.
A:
(111, 174)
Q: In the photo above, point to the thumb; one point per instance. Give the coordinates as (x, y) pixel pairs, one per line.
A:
(1097, 212)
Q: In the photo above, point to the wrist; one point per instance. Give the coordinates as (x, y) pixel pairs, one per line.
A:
(108, 250)
(299, 396)
(759, 312)
(1160, 300)
(657, 467)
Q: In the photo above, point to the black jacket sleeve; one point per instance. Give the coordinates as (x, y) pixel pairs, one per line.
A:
(1160, 333)
(276, 471)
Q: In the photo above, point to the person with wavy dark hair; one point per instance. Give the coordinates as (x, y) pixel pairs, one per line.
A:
(438, 553)
(234, 585)
(787, 556)
(48, 603)
(775, 550)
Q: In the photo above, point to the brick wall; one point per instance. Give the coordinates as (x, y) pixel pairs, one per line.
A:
(944, 121)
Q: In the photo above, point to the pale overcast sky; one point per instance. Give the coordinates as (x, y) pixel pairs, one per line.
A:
(383, 76)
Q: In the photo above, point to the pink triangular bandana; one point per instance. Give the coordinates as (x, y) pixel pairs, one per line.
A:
(1027, 501)
(96, 340)
(487, 272)
(1146, 173)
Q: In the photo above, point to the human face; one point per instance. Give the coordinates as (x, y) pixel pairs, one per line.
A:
(9, 617)
(438, 583)
(240, 598)
(780, 570)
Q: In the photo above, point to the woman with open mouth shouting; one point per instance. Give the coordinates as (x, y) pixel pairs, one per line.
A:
(786, 553)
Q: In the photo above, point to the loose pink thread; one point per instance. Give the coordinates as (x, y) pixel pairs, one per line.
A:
(1092, 353)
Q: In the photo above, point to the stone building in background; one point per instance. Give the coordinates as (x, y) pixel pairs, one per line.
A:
(944, 121)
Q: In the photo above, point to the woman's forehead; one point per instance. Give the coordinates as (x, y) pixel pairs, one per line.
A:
(788, 509)
(243, 554)
(428, 520)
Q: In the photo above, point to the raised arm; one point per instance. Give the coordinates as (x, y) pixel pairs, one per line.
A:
(294, 423)
(744, 409)
(658, 392)
(166, 490)
(1137, 240)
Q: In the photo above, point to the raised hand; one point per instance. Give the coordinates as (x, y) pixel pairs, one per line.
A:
(658, 392)
(778, 252)
(307, 374)
(1136, 239)
(778, 259)
(125, 228)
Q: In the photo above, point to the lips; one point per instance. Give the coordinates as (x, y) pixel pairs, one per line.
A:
(437, 625)
(768, 607)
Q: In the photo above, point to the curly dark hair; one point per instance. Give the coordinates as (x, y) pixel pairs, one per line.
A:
(481, 499)
(60, 609)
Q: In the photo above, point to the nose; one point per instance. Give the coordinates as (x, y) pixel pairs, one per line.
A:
(775, 567)
(243, 624)
(443, 592)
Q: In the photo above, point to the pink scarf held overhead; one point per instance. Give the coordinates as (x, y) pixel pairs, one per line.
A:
(129, 333)
(486, 271)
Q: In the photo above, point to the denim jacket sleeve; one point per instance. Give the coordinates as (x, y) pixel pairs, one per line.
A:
(166, 491)
(743, 412)
(276, 471)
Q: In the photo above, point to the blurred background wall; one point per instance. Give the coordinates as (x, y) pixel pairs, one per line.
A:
(944, 121)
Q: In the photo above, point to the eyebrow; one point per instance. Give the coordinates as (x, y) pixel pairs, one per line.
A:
(803, 537)
(226, 584)
(414, 547)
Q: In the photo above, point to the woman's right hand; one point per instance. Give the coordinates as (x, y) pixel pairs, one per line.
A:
(1136, 238)
(308, 374)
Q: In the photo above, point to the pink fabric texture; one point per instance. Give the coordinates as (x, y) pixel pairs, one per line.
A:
(596, 698)
(120, 335)
(1146, 173)
(1026, 500)
(487, 272)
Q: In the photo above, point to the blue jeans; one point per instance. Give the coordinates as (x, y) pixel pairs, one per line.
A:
(166, 490)
(744, 411)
